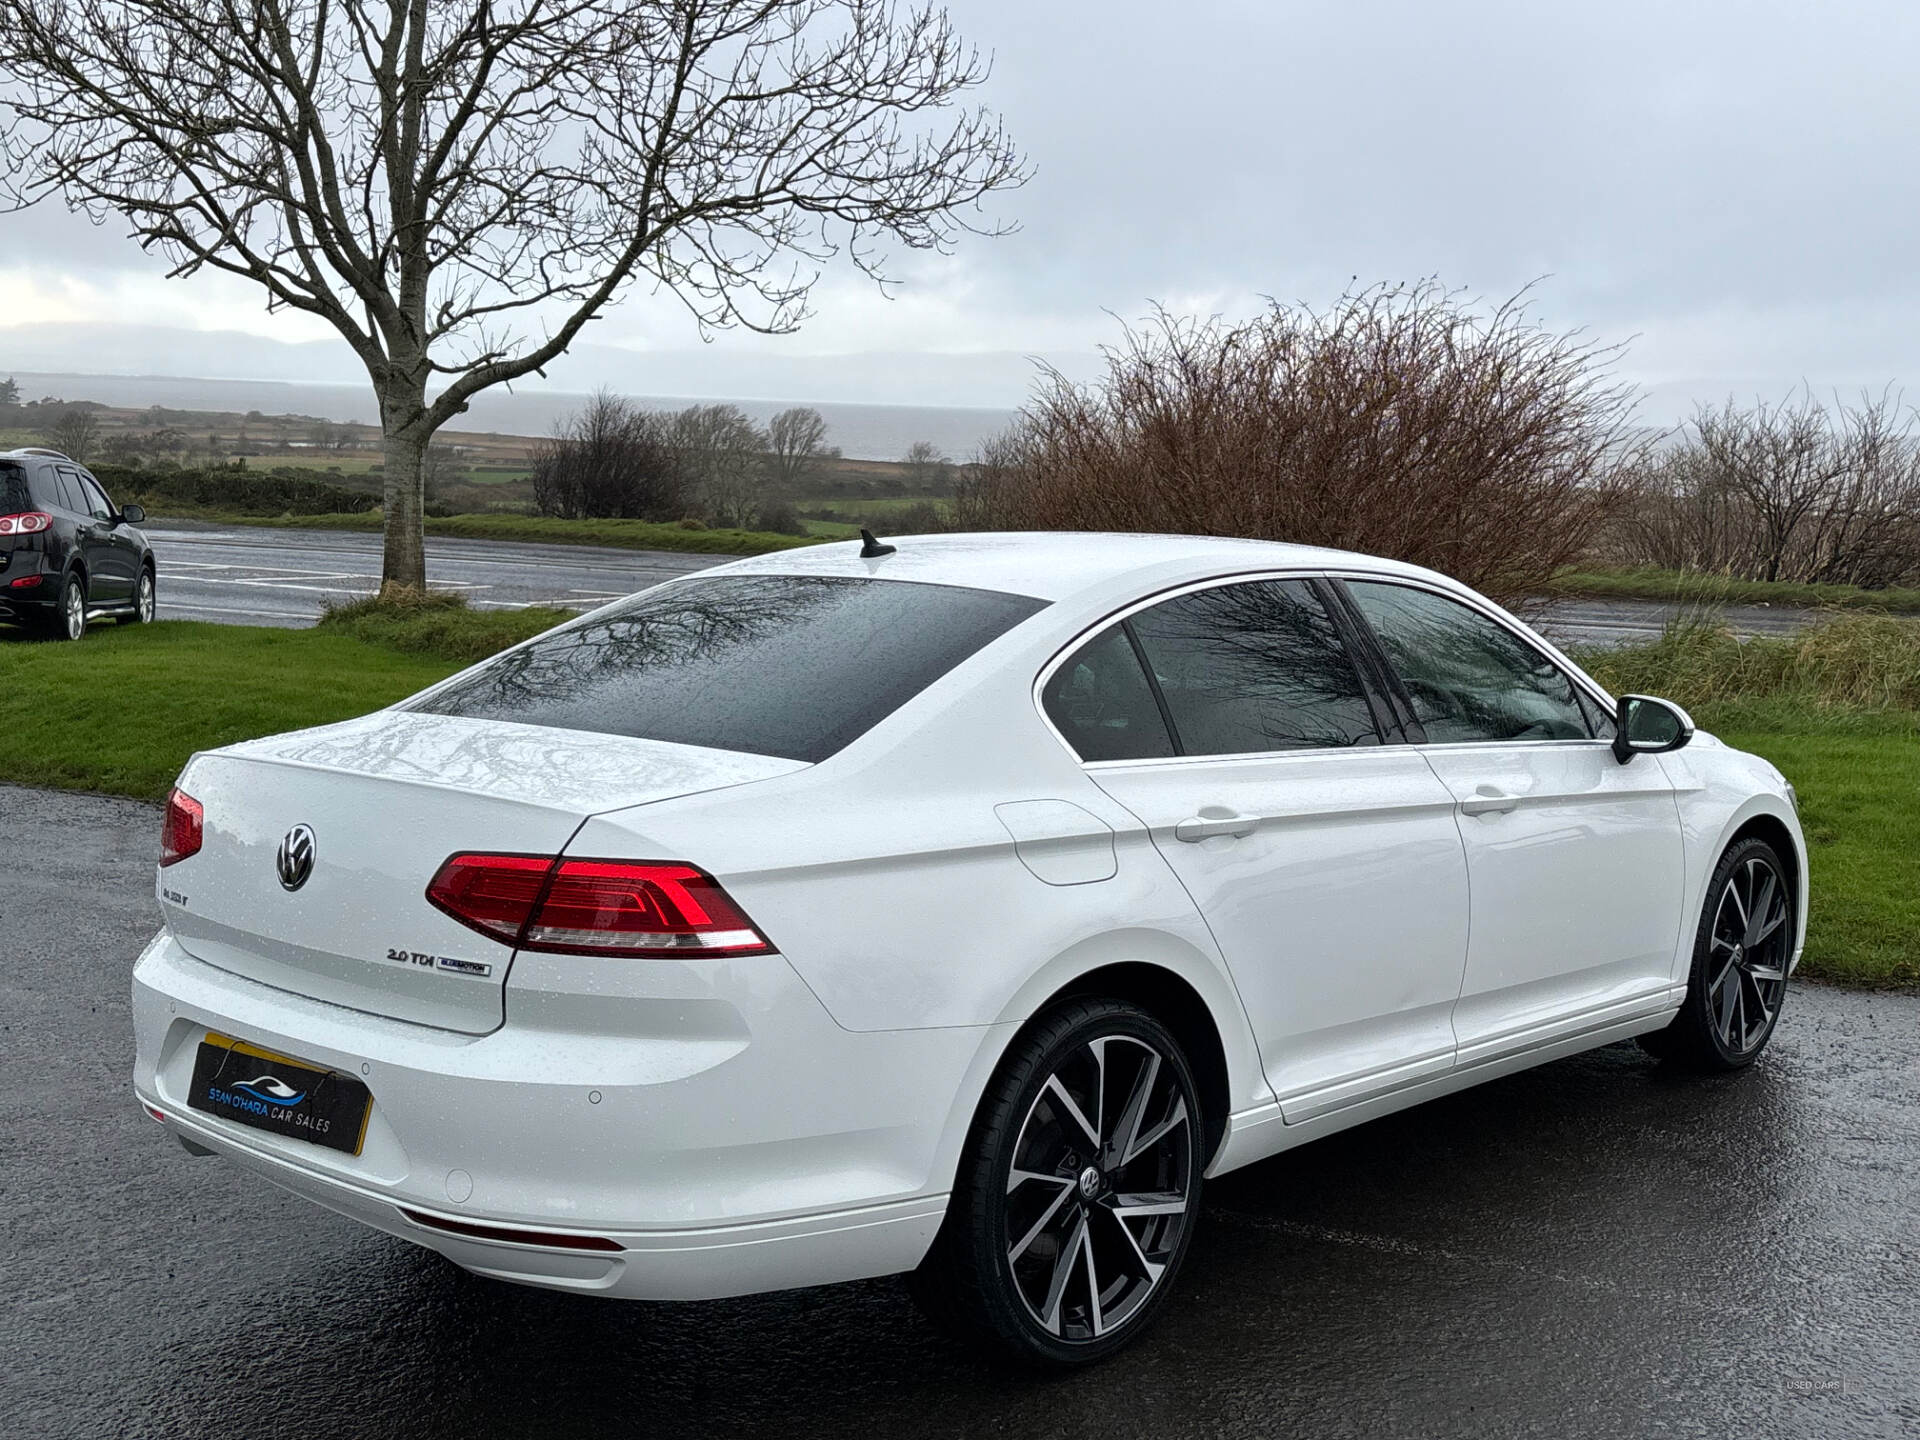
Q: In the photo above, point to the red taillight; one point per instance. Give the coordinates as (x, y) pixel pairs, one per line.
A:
(25, 582)
(594, 907)
(31, 523)
(180, 832)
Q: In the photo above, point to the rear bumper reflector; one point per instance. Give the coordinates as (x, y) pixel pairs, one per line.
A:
(506, 1235)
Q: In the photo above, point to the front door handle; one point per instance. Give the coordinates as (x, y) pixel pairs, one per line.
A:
(1211, 822)
(1488, 800)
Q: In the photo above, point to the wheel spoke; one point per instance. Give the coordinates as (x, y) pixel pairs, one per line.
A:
(1739, 905)
(1152, 1269)
(1015, 1251)
(1063, 1267)
(1728, 994)
(1152, 1202)
(1059, 1092)
(1762, 906)
(1767, 973)
(1135, 1111)
(1018, 1177)
(1159, 1132)
(1093, 1281)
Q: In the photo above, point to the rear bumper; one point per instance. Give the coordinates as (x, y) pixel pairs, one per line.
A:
(719, 1143)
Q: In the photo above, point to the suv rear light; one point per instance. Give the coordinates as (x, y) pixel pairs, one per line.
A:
(594, 907)
(31, 523)
(180, 832)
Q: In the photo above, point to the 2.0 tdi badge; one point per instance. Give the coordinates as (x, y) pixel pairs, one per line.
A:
(295, 858)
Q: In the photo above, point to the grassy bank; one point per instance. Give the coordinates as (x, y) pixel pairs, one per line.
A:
(541, 529)
(123, 710)
(1697, 590)
(1837, 709)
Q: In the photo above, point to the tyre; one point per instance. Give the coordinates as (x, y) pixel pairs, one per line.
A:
(69, 619)
(1740, 956)
(145, 600)
(1078, 1193)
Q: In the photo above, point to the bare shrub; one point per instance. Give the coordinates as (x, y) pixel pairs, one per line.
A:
(1794, 491)
(1402, 422)
(720, 452)
(612, 460)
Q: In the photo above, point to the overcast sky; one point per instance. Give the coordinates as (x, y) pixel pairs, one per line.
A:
(1732, 186)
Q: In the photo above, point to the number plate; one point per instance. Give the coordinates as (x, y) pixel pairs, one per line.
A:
(258, 1088)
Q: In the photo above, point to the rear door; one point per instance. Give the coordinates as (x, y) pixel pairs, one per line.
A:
(1232, 720)
(1575, 860)
(110, 576)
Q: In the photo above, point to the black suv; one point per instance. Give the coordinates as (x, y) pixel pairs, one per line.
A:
(67, 555)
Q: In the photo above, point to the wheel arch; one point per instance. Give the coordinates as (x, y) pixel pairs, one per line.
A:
(1185, 989)
(1770, 819)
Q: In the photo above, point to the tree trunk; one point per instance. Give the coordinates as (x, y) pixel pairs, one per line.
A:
(405, 560)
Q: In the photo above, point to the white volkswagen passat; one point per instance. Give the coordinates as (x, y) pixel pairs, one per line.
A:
(952, 910)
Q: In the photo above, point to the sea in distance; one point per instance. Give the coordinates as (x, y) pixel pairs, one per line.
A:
(862, 432)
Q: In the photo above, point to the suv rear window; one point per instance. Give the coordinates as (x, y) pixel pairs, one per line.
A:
(796, 666)
(14, 498)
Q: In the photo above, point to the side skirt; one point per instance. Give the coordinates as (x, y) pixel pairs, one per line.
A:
(1260, 1132)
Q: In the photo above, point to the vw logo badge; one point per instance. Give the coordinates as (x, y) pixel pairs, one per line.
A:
(295, 860)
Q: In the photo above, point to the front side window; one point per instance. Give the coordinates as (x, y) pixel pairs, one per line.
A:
(92, 496)
(1470, 679)
(790, 665)
(1254, 667)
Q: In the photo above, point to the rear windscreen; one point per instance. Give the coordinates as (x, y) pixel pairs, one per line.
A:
(790, 665)
(14, 498)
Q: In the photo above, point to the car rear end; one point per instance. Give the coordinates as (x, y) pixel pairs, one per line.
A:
(29, 546)
(391, 981)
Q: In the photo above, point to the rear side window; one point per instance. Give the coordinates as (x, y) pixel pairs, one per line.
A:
(1099, 700)
(1254, 667)
(796, 666)
(15, 499)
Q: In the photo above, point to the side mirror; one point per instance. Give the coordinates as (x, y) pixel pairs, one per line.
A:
(134, 515)
(1644, 725)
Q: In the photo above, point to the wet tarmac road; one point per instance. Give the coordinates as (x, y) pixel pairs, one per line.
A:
(1594, 1248)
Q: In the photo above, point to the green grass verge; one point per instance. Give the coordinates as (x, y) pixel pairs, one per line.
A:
(121, 711)
(1837, 709)
(438, 625)
(542, 529)
(1695, 589)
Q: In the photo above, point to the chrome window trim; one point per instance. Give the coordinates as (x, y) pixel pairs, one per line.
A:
(1307, 572)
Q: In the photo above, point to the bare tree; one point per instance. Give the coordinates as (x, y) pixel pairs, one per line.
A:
(1792, 491)
(929, 468)
(1403, 421)
(796, 444)
(722, 452)
(458, 186)
(75, 433)
(610, 459)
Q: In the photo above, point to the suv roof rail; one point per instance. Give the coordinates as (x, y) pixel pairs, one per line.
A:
(43, 450)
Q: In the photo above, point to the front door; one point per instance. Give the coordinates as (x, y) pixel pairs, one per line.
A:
(1326, 861)
(1576, 860)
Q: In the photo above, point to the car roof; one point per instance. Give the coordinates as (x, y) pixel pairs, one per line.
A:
(1059, 565)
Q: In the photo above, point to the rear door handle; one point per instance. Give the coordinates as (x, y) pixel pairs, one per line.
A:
(1205, 826)
(1488, 800)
